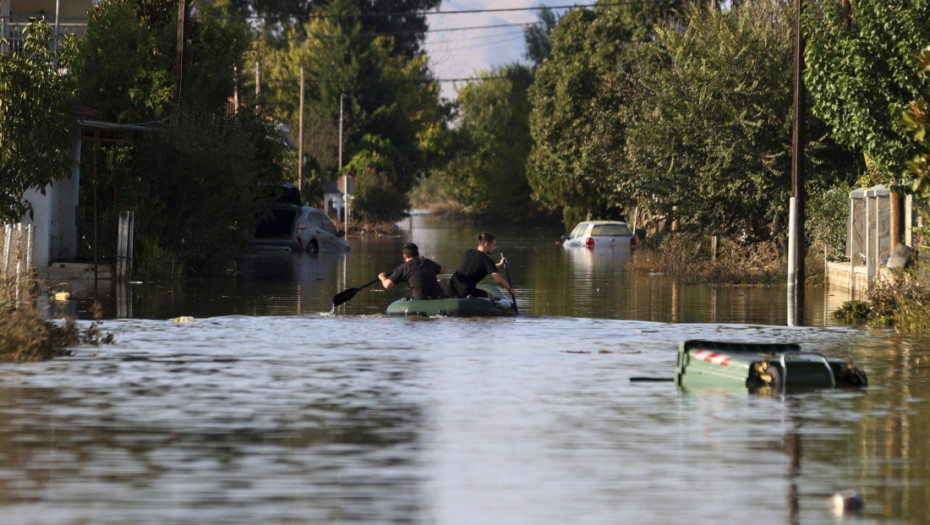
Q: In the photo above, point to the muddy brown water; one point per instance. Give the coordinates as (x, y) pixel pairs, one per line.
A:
(268, 407)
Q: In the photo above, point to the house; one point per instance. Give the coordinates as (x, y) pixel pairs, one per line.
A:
(55, 207)
(66, 16)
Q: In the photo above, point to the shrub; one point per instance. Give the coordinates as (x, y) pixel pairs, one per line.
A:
(26, 336)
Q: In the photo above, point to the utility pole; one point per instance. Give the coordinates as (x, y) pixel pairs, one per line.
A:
(258, 78)
(179, 59)
(300, 135)
(345, 194)
(796, 244)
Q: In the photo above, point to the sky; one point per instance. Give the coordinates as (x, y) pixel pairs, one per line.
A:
(459, 54)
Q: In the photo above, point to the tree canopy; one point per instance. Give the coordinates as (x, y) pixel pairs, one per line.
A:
(382, 94)
(487, 169)
(583, 98)
(36, 88)
(860, 73)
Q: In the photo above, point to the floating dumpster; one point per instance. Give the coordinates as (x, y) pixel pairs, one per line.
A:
(761, 365)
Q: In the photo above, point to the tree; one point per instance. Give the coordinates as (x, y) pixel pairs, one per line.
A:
(382, 94)
(916, 121)
(126, 60)
(195, 177)
(36, 88)
(583, 99)
(377, 198)
(487, 171)
(859, 73)
(197, 188)
(538, 37)
(713, 146)
(402, 20)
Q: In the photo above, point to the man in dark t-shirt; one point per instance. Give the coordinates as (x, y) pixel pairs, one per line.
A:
(418, 273)
(476, 264)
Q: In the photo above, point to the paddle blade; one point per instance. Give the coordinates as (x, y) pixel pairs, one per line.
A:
(349, 293)
(344, 296)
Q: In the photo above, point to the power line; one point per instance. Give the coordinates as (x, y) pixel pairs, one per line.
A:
(465, 11)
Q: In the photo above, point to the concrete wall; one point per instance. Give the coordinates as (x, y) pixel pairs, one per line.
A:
(847, 280)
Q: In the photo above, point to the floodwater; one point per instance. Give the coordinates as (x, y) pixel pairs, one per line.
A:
(268, 407)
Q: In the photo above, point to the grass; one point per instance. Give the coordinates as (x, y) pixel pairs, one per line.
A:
(689, 259)
(26, 336)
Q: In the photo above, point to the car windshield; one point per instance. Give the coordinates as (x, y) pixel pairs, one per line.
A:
(611, 230)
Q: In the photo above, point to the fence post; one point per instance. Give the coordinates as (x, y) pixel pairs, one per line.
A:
(124, 245)
(7, 244)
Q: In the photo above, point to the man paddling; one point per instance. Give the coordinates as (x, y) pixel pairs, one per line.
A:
(475, 265)
(419, 274)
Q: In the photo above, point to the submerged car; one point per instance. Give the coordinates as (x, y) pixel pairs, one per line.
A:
(276, 230)
(314, 232)
(289, 226)
(595, 234)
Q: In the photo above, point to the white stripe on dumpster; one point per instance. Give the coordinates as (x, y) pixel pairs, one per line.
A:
(711, 357)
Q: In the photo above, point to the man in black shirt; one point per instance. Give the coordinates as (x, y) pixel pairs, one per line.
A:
(475, 265)
(418, 273)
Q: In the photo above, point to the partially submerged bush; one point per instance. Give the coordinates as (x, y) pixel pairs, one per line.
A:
(903, 304)
(26, 336)
(689, 258)
(853, 312)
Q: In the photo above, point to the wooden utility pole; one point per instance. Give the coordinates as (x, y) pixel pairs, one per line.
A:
(300, 137)
(179, 58)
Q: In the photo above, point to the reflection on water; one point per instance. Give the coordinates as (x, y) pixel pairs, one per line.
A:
(550, 281)
(268, 409)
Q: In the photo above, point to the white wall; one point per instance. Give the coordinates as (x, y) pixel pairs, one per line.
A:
(55, 215)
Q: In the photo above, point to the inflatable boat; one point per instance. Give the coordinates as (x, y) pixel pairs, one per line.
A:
(495, 306)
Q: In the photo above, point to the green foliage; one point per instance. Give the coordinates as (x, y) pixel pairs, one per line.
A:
(583, 99)
(487, 171)
(408, 29)
(852, 312)
(35, 126)
(903, 304)
(197, 187)
(126, 60)
(382, 92)
(714, 146)
(713, 143)
(915, 121)
(859, 73)
(827, 211)
(377, 197)
(537, 37)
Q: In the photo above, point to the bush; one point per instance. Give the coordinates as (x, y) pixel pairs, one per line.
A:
(827, 212)
(376, 200)
(26, 336)
(689, 257)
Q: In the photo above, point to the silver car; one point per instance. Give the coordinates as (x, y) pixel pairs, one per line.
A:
(595, 234)
(314, 232)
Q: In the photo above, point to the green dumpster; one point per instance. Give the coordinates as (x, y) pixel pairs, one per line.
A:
(779, 366)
